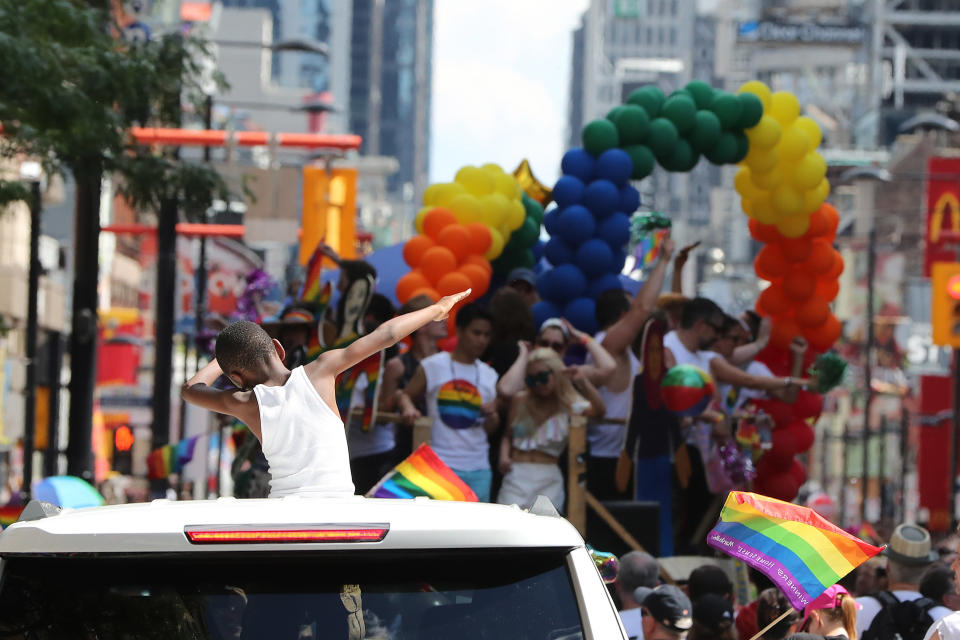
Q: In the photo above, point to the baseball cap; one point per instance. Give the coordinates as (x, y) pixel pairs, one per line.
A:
(670, 607)
(523, 274)
(829, 599)
(713, 611)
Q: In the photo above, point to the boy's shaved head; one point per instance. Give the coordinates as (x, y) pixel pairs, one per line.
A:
(244, 346)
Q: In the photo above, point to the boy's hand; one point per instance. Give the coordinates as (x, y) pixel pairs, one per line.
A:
(448, 302)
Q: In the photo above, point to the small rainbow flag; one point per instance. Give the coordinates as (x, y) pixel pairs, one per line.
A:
(423, 474)
(315, 346)
(648, 250)
(800, 551)
(372, 366)
(170, 458)
(9, 514)
(310, 291)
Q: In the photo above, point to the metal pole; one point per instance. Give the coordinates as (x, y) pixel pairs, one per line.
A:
(163, 351)
(904, 466)
(201, 301)
(868, 366)
(30, 393)
(55, 354)
(954, 431)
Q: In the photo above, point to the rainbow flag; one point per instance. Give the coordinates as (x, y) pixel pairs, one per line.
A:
(423, 474)
(315, 346)
(800, 551)
(9, 514)
(170, 458)
(372, 367)
(648, 250)
(310, 291)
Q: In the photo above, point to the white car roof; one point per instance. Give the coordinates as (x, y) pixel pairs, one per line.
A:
(159, 526)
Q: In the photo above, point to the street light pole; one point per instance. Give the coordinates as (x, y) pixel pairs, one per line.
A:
(30, 395)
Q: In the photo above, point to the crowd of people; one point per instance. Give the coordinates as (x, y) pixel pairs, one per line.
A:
(909, 593)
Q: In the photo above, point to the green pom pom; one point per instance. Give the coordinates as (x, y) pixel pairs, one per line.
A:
(828, 371)
(600, 135)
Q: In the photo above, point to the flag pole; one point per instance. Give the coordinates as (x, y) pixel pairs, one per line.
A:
(774, 623)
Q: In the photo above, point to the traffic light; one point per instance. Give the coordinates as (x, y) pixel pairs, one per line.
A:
(945, 314)
(329, 211)
(123, 449)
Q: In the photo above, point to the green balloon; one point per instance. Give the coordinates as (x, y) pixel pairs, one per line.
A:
(705, 132)
(633, 124)
(751, 110)
(680, 92)
(680, 158)
(727, 108)
(663, 136)
(650, 98)
(702, 93)
(643, 161)
(527, 260)
(533, 209)
(526, 235)
(614, 114)
(600, 135)
(681, 111)
(725, 151)
(743, 146)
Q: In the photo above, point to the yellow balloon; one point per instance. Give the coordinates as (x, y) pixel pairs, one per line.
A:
(762, 210)
(493, 169)
(466, 208)
(761, 160)
(767, 180)
(505, 233)
(442, 194)
(758, 89)
(813, 198)
(784, 107)
(787, 201)
(507, 185)
(746, 206)
(475, 180)
(794, 226)
(810, 127)
(493, 209)
(742, 183)
(809, 171)
(515, 215)
(496, 245)
(418, 221)
(794, 143)
(766, 133)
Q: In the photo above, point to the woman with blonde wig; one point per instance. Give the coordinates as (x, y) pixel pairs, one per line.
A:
(538, 428)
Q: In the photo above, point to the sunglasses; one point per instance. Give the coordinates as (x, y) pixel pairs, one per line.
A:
(539, 378)
(556, 346)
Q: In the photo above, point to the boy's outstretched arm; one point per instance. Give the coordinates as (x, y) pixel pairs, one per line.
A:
(199, 390)
(387, 334)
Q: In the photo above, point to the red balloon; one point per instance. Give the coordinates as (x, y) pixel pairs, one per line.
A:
(773, 301)
(480, 238)
(799, 285)
(481, 262)
(819, 224)
(453, 282)
(833, 218)
(437, 262)
(766, 468)
(837, 268)
(765, 233)
(437, 220)
(410, 283)
(823, 337)
(479, 279)
(796, 249)
(780, 412)
(777, 360)
(415, 248)
(821, 257)
(770, 263)
(813, 312)
(784, 447)
(430, 292)
(456, 238)
(802, 435)
(798, 472)
(827, 289)
(782, 486)
(784, 331)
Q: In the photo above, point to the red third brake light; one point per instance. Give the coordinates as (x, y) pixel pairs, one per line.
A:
(288, 533)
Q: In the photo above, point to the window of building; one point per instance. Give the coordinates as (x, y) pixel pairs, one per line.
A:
(673, 35)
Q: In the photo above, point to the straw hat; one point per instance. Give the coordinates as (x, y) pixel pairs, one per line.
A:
(910, 545)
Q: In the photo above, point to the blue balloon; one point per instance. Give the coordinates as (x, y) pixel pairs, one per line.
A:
(576, 224)
(606, 282)
(567, 283)
(629, 200)
(537, 250)
(578, 163)
(619, 259)
(614, 165)
(568, 190)
(544, 284)
(602, 197)
(582, 313)
(543, 310)
(550, 219)
(594, 257)
(615, 230)
(557, 251)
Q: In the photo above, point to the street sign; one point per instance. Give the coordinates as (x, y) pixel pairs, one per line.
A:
(943, 211)
(945, 295)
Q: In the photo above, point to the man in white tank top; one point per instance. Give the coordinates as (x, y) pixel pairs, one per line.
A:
(293, 413)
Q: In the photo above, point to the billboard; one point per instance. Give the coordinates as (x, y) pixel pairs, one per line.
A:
(806, 33)
(943, 212)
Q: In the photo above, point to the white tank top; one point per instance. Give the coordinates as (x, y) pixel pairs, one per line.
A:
(303, 440)
(606, 440)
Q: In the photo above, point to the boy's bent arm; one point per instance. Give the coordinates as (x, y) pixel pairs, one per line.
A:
(242, 405)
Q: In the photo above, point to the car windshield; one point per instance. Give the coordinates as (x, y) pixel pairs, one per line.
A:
(346, 596)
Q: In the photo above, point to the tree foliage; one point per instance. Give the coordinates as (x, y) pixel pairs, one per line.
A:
(70, 90)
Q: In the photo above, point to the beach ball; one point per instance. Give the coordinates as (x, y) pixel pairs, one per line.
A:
(687, 390)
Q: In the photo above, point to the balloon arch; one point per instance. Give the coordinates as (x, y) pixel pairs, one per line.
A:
(484, 223)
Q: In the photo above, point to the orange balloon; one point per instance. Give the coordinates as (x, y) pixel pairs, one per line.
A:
(480, 261)
(827, 289)
(770, 263)
(822, 338)
(819, 224)
(480, 238)
(436, 220)
(766, 233)
(430, 292)
(796, 249)
(479, 279)
(410, 283)
(415, 248)
(833, 218)
(783, 332)
(437, 262)
(456, 238)
(453, 282)
(837, 269)
(799, 285)
(773, 301)
(821, 257)
(813, 312)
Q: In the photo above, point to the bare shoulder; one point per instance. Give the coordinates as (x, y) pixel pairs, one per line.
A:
(393, 367)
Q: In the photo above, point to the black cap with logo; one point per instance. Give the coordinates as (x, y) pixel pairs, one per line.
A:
(670, 607)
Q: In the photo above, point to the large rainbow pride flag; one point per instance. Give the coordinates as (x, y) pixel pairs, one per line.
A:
(800, 551)
(423, 474)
